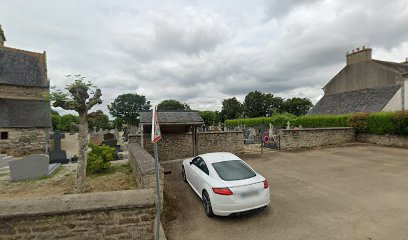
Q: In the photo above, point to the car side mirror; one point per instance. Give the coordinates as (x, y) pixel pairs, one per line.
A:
(191, 163)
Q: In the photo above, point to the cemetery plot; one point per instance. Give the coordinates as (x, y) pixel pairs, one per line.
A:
(63, 182)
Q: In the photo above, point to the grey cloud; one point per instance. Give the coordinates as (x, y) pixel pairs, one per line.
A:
(276, 8)
(198, 54)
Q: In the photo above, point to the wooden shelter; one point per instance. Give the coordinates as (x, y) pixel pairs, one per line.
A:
(172, 122)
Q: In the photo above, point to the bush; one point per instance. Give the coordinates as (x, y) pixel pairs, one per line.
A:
(375, 123)
(99, 158)
(276, 120)
(321, 121)
(381, 123)
(359, 122)
(400, 120)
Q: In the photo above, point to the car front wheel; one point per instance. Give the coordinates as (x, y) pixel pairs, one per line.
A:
(207, 204)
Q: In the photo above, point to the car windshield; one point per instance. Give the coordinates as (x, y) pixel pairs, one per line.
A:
(233, 170)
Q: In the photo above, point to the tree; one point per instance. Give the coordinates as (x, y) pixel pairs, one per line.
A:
(231, 109)
(127, 107)
(55, 119)
(254, 105)
(211, 118)
(78, 99)
(118, 123)
(172, 104)
(297, 106)
(258, 104)
(273, 105)
(67, 122)
(99, 120)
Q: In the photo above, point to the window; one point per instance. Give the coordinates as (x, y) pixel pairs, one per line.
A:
(4, 135)
(201, 165)
(233, 170)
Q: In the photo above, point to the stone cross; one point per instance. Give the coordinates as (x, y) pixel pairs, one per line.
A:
(57, 155)
(57, 136)
(270, 129)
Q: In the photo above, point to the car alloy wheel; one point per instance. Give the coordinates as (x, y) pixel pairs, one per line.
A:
(207, 204)
(183, 173)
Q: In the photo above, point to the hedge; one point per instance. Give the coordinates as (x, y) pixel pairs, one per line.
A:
(316, 121)
(374, 123)
(381, 123)
(276, 120)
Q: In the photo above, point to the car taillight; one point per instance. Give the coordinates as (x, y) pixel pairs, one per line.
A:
(222, 191)
(266, 184)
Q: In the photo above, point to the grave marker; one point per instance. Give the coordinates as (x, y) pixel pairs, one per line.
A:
(57, 155)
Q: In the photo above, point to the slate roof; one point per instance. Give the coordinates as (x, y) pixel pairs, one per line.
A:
(402, 68)
(22, 68)
(367, 100)
(172, 117)
(16, 113)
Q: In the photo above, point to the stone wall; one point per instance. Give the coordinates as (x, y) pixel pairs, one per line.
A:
(386, 140)
(143, 165)
(24, 141)
(177, 146)
(171, 146)
(220, 142)
(118, 215)
(20, 92)
(291, 139)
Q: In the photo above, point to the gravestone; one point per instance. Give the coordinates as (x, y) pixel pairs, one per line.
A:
(110, 140)
(31, 167)
(57, 155)
(95, 138)
(108, 136)
(111, 143)
(250, 135)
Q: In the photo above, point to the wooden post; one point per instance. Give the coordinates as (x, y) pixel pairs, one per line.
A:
(141, 135)
(196, 140)
(194, 136)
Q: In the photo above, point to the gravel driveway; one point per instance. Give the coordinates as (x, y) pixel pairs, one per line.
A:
(356, 191)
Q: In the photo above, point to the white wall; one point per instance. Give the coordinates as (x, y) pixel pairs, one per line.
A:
(395, 104)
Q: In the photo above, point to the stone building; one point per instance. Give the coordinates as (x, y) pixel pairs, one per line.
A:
(25, 118)
(365, 85)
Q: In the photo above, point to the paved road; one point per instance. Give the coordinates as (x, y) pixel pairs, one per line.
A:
(349, 192)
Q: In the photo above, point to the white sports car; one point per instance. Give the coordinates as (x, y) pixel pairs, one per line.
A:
(226, 184)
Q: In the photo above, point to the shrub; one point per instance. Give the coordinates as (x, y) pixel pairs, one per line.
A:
(99, 158)
(374, 123)
(316, 121)
(276, 120)
(400, 120)
(381, 123)
(359, 122)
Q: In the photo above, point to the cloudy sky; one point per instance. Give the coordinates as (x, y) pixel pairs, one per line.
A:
(201, 52)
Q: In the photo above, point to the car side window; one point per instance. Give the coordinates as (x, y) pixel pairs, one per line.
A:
(201, 165)
(195, 160)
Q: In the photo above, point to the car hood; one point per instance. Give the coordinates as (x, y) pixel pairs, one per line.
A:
(238, 183)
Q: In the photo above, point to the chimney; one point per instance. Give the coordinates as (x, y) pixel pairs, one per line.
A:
(359, 55)
(2, 37)
(406, 61)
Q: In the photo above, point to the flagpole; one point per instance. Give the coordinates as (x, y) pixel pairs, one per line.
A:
(156, 160)
(157, 191)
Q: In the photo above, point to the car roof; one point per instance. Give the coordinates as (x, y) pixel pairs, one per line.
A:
(218, 157)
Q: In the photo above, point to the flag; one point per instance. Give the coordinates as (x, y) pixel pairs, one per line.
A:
(156, 134)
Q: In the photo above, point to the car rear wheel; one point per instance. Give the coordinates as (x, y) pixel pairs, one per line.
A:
(183, 173)
(207, 204)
